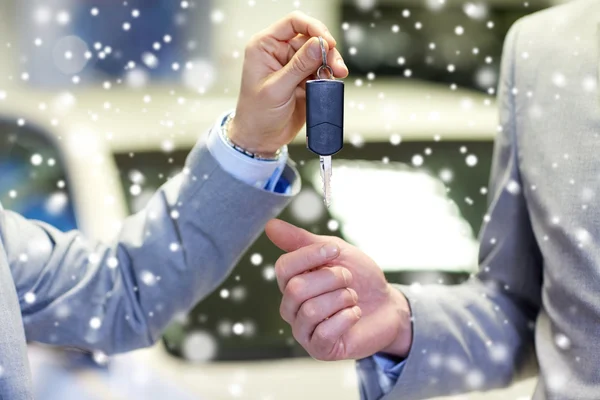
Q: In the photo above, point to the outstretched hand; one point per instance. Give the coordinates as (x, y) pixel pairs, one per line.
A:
(336, 298)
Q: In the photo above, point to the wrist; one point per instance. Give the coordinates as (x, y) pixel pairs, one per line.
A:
(402, 343)
(241, 138)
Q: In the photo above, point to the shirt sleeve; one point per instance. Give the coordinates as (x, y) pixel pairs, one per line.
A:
(390, 366)
(385, 368)
(262, 174)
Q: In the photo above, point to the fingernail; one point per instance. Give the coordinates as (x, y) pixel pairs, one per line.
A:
(347, 276)
(315, 49)
(353, 294)
(357, 311)
(329, 251)
(341, 62)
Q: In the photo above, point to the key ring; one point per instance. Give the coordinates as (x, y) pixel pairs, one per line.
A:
(324, 66)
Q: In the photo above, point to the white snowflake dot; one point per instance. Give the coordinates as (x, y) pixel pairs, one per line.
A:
(256, 259)
(395, 139)
(112, 262)
(95, 323)
(562, 341)
(417, 160)
(471, 160)
(238, 328)
(148, 278)
(513, 187)
(36, 159)
(268, 273)
(333, 225)
(30, 297)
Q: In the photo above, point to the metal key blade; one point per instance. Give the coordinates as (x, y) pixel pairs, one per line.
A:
(326, 177)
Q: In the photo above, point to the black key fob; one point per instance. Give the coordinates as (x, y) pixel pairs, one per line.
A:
(325, 116)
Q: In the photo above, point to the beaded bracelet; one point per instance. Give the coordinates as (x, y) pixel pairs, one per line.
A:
(225, 136)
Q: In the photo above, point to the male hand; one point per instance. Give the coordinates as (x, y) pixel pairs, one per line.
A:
(278, 61)
(336, 298)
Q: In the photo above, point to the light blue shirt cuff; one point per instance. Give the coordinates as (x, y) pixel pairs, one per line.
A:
(259, 173)
(390, 369)
(377, 375)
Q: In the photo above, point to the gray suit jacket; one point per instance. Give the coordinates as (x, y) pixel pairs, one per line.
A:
(62, 289)
(539, 283)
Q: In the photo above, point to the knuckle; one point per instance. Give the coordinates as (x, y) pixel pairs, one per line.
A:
(280, 267)
(296, 14)
(252, 44)
(295, 288)
(323, 338)
(283, 312)
(300, 65)
(308, 311)
(296, 333)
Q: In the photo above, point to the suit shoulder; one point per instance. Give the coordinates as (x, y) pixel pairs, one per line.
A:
(556, 22)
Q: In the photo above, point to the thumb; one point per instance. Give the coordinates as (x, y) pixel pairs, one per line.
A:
(287, 236)
(303, 64)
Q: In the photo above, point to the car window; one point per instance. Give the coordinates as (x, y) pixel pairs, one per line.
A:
(240, 320)
(33, 179)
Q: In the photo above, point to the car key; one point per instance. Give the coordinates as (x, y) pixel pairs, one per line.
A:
(325, 120)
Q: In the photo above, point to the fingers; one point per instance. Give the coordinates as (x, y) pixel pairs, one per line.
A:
(334, 58)
(303, 64)
(297, 42)
(300, 23)
(336, 62)
(314, 311)
(303, 260)
(327, 342)
(304, 287)
(287, 236)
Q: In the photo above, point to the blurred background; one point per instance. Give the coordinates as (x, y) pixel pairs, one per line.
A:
(100, 102)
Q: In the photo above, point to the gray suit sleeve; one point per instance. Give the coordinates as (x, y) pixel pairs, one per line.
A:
(120, 296)
(478, 335)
